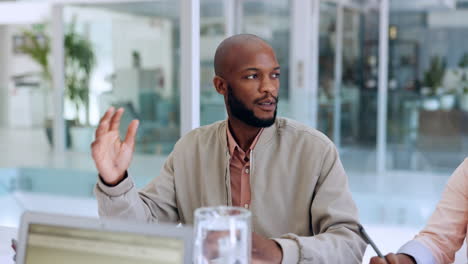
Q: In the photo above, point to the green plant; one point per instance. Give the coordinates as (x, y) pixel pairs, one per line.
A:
(79, 62)
(464, 85)
(37, 46)
(433, 77)
(463, 82)
(463, 63)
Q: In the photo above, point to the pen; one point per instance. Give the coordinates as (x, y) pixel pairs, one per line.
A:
(369, 241)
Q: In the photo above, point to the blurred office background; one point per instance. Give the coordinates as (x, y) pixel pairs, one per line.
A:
(386, 80)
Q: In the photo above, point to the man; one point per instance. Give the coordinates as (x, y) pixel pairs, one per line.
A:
(446, 230)
(287, 174)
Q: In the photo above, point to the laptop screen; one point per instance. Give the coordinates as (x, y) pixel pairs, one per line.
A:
(47, 244)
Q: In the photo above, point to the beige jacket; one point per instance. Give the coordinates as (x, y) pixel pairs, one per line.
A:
(300, 194)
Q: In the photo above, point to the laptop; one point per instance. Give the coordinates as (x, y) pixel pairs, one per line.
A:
(48, 238)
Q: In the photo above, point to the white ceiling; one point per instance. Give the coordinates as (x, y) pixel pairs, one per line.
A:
(209, 8)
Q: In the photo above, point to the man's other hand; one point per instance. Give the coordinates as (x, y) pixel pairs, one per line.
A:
(265, 250)
(393, 259)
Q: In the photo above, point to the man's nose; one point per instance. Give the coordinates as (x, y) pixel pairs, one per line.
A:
(269, 86)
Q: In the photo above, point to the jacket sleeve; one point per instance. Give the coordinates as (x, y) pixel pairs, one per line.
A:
(334, 221)
(447, 227)
(155, 202)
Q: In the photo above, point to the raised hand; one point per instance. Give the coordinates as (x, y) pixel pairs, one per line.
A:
(111, 155)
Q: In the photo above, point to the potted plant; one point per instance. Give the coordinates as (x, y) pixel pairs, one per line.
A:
(448, 100)
(450, 88)
(432, 84)
(36, 45)
(463, 64)
(79, 62)
(464, 97)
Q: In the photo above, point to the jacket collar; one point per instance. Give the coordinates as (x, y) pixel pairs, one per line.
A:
(264, 139)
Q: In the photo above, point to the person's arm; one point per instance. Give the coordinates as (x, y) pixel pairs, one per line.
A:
(446, 229)
(155, 202)
(115, 191)
(418, 253)
(334, 221)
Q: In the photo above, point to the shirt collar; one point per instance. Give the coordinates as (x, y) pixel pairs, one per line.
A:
(232, 144)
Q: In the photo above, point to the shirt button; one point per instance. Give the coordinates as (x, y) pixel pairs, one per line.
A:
(247, 170)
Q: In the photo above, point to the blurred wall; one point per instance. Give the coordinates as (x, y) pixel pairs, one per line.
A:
(3, 76)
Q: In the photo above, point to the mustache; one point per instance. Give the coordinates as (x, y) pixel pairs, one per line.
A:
(275, 98)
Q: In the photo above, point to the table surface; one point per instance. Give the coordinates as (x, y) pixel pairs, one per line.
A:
(378, 234)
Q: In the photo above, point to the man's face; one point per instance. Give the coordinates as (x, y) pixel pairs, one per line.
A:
(253, 85)
(240, 111)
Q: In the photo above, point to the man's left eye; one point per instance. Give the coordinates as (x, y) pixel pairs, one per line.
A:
(276, 75)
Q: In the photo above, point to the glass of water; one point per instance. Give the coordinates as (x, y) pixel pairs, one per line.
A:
(222, 235)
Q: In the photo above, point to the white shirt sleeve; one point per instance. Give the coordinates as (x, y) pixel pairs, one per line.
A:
(418, 251)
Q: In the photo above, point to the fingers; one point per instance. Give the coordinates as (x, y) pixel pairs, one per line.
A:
(377, 260)
(211, 243)
(103, 126)
(108, 114)
(392, 259)
(389, 259)
(131, 133)
(115, 121)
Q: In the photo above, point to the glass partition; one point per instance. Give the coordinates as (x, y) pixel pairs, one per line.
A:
(133, 56)
(428, 89)
(212, 32)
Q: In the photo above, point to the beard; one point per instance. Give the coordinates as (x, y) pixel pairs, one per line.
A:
(240, 111)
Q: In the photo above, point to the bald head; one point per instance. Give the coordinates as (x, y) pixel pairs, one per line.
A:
(247, 75)
(236, 49)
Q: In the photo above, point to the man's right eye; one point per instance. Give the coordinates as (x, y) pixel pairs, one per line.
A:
(252, 77)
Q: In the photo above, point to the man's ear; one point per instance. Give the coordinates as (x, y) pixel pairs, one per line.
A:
(220, 84)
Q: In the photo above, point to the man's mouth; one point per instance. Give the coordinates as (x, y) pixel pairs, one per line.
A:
(267, 105)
